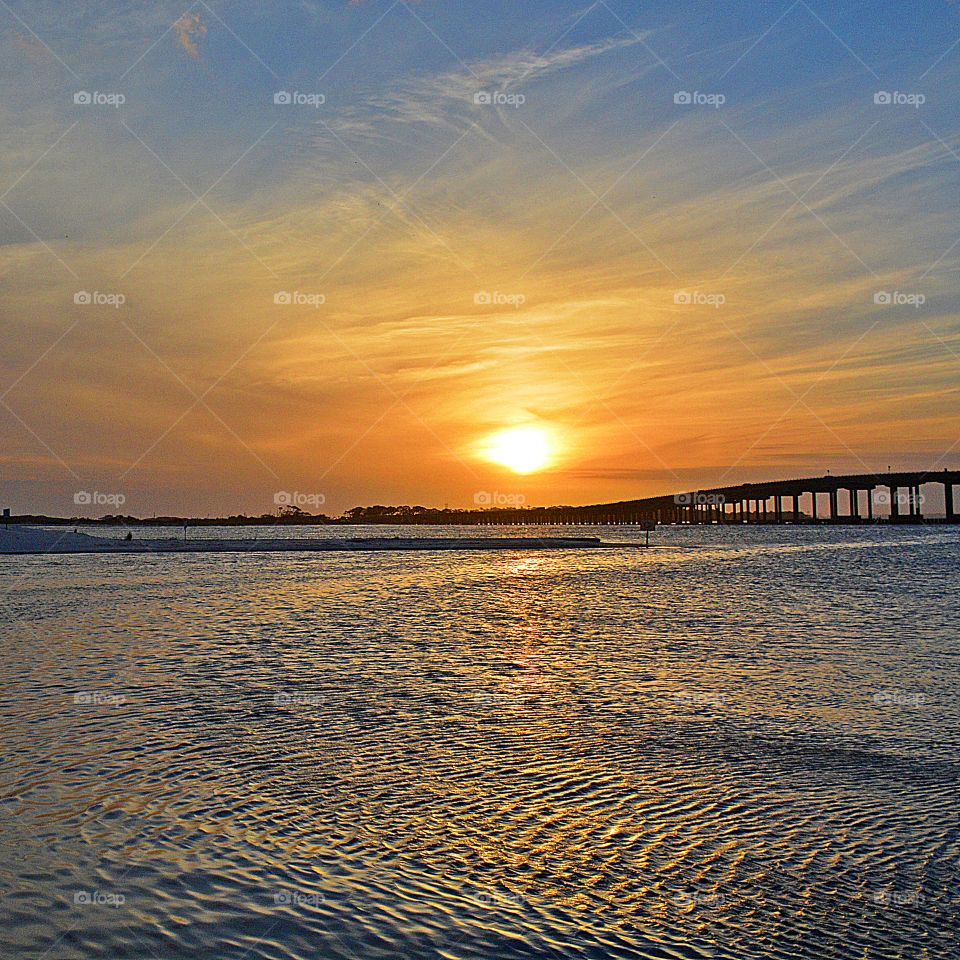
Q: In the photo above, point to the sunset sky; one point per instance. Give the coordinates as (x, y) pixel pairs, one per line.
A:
(354, 294)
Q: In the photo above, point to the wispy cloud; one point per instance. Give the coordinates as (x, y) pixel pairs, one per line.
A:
(32, 47)
(190, 30)
(448, 98)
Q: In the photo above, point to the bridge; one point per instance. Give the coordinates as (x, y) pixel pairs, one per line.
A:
(852, 499)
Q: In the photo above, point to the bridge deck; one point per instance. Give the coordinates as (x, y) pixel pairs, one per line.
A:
(869, 498)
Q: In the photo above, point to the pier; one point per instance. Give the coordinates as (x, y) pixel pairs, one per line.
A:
(852, 499)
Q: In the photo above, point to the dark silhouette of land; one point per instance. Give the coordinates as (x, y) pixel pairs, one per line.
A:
(775, 502)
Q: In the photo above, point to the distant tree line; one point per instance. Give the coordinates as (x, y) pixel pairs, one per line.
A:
(293, 516)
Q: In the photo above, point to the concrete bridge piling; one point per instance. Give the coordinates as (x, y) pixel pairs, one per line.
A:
(855, 499)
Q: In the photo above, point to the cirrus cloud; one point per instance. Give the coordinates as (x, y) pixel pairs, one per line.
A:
(190, 29)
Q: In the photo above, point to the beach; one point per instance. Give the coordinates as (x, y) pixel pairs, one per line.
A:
(17, 539)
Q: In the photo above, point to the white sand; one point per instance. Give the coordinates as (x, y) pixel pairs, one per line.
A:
(17, 539)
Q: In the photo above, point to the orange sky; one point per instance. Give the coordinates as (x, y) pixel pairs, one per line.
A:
(678, 296)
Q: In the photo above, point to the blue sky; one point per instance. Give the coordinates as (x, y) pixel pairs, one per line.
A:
(785, 189)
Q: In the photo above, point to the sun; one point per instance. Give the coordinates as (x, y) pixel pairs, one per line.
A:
(520, 449)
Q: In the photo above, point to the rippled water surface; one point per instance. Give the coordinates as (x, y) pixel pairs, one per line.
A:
(745, 743)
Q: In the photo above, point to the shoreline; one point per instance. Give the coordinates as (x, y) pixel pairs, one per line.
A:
(35, 541)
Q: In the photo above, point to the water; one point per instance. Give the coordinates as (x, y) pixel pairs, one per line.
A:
(743, 744)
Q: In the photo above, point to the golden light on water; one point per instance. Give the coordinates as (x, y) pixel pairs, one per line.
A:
(520, 449)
